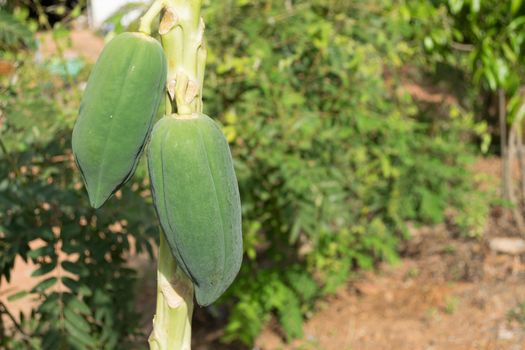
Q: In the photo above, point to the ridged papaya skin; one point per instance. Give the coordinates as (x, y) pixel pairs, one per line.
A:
(196, 196)
(117, 111)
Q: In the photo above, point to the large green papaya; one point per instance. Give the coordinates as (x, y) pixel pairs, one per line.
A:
(117, 111)
(197, 200)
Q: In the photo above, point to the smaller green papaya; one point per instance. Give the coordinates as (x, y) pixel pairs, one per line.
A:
(197, 200)
(117, 111)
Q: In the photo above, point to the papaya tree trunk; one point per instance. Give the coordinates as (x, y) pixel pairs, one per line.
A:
(182, 34)
(172, 321)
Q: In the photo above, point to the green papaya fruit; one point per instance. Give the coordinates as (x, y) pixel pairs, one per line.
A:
(196, 196)
(117, 111)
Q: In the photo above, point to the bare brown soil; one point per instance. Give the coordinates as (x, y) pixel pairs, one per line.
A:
(447, 293)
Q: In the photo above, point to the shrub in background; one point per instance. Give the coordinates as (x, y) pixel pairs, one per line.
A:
(333, 154)
(85, 289)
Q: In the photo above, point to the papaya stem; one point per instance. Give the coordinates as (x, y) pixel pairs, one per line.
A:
(172, 321)
(149, 16)
(182, 34)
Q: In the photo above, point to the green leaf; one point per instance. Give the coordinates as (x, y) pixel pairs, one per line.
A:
(83, 290)
(431, 206)
(76, 320)
(51, 340)
(75, 268)
(72, 284)
(80, 306)
(44, 269)
(41, 252)
(303, 284)
(82, 340)
(515, 6)
(49, 306)
(455, 5)
(502, 71)
(18, 295)
(291, 317)
(475, 6)
(45, 284)
(491, 79)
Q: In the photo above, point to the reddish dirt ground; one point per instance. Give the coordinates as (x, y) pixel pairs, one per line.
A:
(451, 294)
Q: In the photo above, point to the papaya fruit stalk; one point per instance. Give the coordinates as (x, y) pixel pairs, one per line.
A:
(182, 35)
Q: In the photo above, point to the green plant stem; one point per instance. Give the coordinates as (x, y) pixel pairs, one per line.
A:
(172, 321)
(149, 16)
(182, 33)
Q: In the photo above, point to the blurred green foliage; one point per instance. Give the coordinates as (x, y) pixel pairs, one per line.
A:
(14, 33)
(483, 39)
(84, 288)
(85, 291)
(333, 156)
(489, 34)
